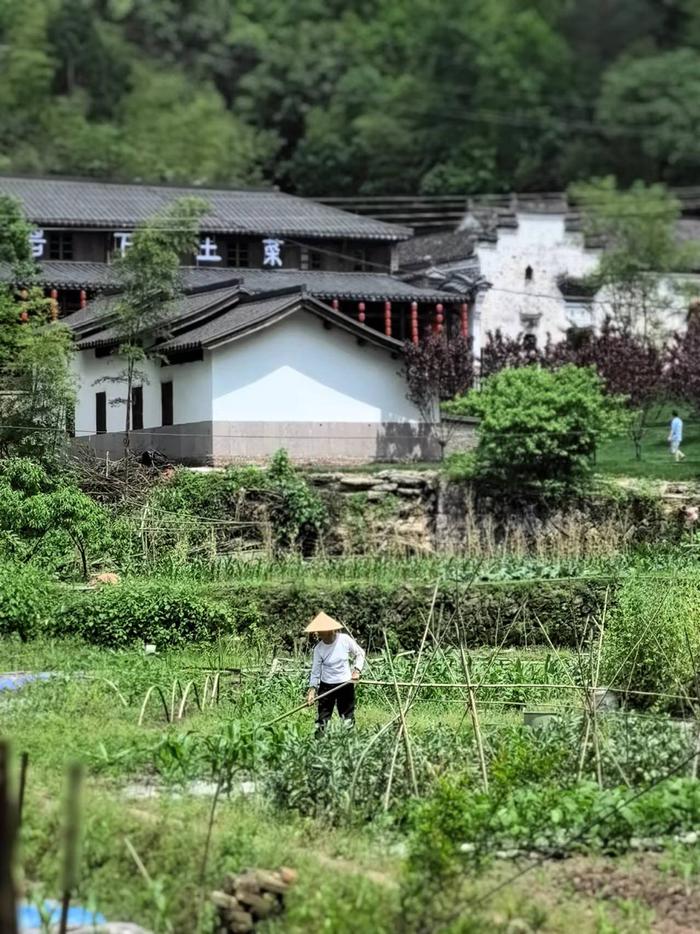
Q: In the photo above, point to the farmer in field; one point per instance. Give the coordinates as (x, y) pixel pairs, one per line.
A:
(676, 437)
(331, 667)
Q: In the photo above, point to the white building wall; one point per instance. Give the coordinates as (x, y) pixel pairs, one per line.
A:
(297, 371)
(191, 391)
(513, 304)
(516, 306)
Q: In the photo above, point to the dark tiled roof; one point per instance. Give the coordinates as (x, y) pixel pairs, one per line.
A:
(101, 277)
(57, 202)
(93, 325)
(436, 249)
(256, 312)
(360, 286)
(367, 286)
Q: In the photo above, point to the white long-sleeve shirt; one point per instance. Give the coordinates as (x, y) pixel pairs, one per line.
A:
(331, 662)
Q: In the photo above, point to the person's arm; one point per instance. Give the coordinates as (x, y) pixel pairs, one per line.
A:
(358, 654)
(315, 676)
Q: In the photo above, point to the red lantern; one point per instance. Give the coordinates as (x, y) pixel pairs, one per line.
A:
(414, 322)
(439, 318)
(387, 318)
(361, 312)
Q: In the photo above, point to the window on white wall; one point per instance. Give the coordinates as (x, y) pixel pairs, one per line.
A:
(166, 403)
(529, 274)
(100, 412)
(137, 408)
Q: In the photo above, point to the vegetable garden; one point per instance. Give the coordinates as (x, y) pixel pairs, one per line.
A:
(469, 767)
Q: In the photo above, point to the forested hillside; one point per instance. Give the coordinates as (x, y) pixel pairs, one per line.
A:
(347, 96)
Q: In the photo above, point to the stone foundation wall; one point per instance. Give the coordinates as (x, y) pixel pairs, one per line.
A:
(309, 443)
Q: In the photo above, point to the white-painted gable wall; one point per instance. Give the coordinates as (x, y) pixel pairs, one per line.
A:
(294, 371)
(298, 371)
(541, 242)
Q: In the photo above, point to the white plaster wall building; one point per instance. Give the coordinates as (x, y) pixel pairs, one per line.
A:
(242, 376)
(520, 264)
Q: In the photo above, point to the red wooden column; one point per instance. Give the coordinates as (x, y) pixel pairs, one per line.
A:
(83, 298)
(464, 319)
(414, 322)
(439, 318)
(361, 312)
(387, 318)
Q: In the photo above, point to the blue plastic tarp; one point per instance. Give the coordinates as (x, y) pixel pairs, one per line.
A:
(28, 916)
(13, 681)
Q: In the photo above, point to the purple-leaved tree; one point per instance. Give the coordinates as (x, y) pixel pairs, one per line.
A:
(436, 370)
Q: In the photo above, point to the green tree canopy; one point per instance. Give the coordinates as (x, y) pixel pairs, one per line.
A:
(539, 427)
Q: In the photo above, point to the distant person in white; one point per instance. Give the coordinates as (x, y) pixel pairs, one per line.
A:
(675, 437)
(330, 668)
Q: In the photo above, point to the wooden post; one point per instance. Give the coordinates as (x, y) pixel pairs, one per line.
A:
(54, 304)
(414, 322)
(8, 832)
(464, 319)
(72, 837)
(439, 318)
(83, 298)
(387, 318)
(361, 312)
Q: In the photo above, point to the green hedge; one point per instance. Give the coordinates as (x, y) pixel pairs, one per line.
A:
(165, 612)
(173, 613)
(505, 614)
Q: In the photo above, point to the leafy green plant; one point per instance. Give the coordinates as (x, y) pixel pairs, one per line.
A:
(539, 427)
(47, 517)
(164, 612)
(27, 598)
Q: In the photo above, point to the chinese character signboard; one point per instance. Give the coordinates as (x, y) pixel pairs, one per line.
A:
(38, 242)
(122, 238)
(208, 251)
(271, 256)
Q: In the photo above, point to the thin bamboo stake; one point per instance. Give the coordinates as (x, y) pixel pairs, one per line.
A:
(190, 686)
(593, 694)
(404, 725)
(475, 723)
(364, 754)
(23, 767)
(154, 687)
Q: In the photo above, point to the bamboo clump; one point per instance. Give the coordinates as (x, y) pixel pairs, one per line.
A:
(250, 897)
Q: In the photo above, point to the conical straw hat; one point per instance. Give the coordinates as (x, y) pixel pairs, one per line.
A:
(323, 623)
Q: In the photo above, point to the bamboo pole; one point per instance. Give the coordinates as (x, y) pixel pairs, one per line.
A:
(8, 837)
(403, 729)
(475, 723)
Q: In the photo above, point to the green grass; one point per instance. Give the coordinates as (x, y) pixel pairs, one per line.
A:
(617, 457)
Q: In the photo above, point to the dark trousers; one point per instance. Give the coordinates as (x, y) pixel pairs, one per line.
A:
(343, 698)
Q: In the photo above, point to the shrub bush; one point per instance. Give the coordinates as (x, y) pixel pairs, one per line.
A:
(27, 598)
(508, 613)
(652, 641)
(164, 612)
(540, 427)
(238, 503)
